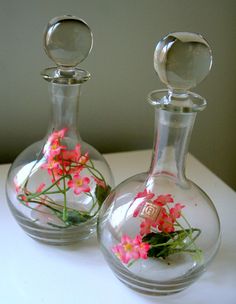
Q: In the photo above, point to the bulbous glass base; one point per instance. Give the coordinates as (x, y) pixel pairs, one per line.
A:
(56, 187)
(158, 235)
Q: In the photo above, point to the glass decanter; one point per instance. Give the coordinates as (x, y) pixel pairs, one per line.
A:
(158, 230)
(56, 186)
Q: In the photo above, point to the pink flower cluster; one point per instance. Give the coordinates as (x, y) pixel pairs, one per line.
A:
(164, 222)
(166, 218)
(131, 249)
(61, 162)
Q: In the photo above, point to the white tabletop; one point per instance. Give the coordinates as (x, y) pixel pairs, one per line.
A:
(32, 273)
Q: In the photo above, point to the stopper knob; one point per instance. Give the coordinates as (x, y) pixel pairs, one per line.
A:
(67, 41)
(182, 60)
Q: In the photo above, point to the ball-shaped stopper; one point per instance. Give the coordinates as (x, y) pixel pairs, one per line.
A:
(67, 41)
(182, 60)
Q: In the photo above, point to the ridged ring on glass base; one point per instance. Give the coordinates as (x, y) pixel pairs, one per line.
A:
(54, 236)
(151, 287)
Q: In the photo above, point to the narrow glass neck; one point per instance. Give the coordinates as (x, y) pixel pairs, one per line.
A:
(64, 103)
(172, 137)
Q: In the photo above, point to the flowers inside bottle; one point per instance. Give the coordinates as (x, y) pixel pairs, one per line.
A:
(72, 191)
(164, 231)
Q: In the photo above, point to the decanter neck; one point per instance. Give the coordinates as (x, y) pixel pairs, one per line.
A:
(172, 137)
(64, 103)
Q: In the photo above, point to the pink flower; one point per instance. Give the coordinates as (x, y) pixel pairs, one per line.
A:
(72, 160)
(131, 249)
(53, 167)
(138, 209)
(24, 198)
(79, 184)
(40, 187)
(175, 212)
(145, 195)
(164, 222)
(55, 174)
(162, 200)
(51, 164)
(84, 158)
(100, 182)
(17, 186)
(69, 156)
(145, 226)
(54, 149)
(53, 146)
(141, 247)
(125, 251)
(57, 135)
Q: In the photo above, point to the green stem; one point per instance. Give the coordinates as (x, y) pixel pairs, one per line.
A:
(45, 205)
(45, 190)
(91, 169)
(189, 234)
(93, 201)
(174, 243)
(192, 240)
(65, 214)
(57, 182)
(94, 169)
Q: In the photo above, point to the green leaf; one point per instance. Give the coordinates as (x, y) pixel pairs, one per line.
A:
(159, 244)
(101, 193)
(164, 244)
(75, 217)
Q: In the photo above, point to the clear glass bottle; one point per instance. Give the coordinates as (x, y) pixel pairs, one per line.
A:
(56, 186)
(158, 230)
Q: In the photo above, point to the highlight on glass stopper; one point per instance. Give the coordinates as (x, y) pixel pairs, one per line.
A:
(67, 40)
(182, 60)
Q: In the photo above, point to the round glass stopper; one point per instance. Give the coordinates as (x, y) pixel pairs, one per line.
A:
(67, 41)
(182, 60)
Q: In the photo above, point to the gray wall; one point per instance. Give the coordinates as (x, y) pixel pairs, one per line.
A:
(114, 114)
